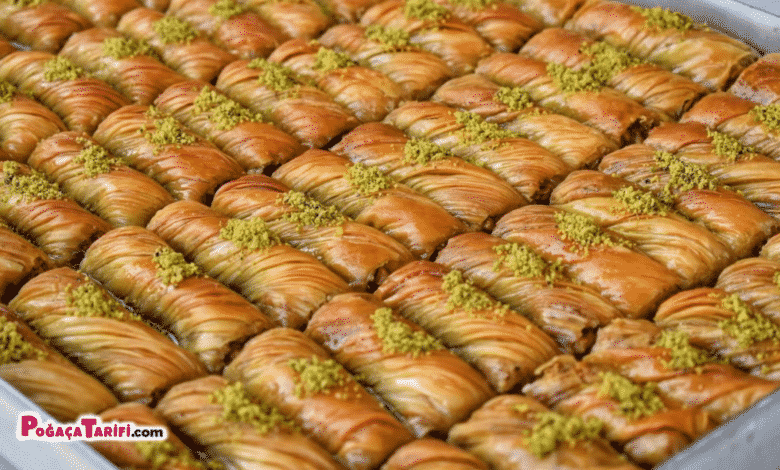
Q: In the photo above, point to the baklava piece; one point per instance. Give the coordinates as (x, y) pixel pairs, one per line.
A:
(756, 281)
(99, 180)
(39, 24)
(286, 369)
(358, 253)
(80, 318)
(771, 250)
(369, 196)
(207, 318)
(245, 254)
(155, 143)
(305, 19)
(432, 454)
(760, 82)
(502, 24)
(20, 260)
(23, 122)
(102, 12)
(429, 386)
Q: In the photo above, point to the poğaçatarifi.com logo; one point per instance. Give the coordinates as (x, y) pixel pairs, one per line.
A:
(85, 428)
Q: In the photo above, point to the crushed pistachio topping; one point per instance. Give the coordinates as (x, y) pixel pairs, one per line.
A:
(121, 47)
(640, 202)
(425, 10)
(13, 347)
(61, 68)
(238, 406)
(28, 186)
(89, 300)
(768, 115)
(584, 231)
(635, 401)
(368, 180)
(274, 76)
(727, 146)
(683, 176)
(515, 98)
(328, 59)
(25, 3)
(746, 326)
(463, 295)
(164, 454)
(525, 262)
(571, 81)
(7, 91)
(167, 131)
(605, 62)
(226, 9)
(777, 279)
(223, 112)
(172, 30)
(399, 337)
(95, 159)
(608, 59)
(683, 354)
(172, 268)
(477, 131)
(473, 4)
(421, 152)
(391, 38)
(317, 376)
(251, 234)
(553, 429)
(663, 19)
(309, 211)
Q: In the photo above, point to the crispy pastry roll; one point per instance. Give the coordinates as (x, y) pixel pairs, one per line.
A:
(756, 281)
(648, 428)
(40, 373)
(371, 197)
(601, 259)
(753, 125)
(527, 166)
(240, 430)
(474, 195)
(285, 283)
(515, 432)
(551, 12)
(429, 386)
(207, 318)
(178, 43)
(154, 143)
(42, 26)
(170, 454)
(390, 52)
(502, 344)
(433, 28)
(235, 129)
(603, 64)
(520, 277)
(128, 65)
(80, 318)
(23, 122)
(513, 109)
(694, 193)
(226, 23)
(287, 369)
(688, 249)
(432, 454)
(306, 112)
(760, 82)
(610, 111)
(726, 325)
(101, 12)
(644, 352)
(305, 19)
(20, 260)
(39, 210)
(80, 100)
(98, 180)
(771, 250)
(668, 39)
(358, 253)
(366, 93)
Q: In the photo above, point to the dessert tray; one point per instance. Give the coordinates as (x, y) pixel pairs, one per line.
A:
(396, 234)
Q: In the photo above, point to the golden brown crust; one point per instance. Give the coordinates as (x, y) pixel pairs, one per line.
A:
(432, 454)
(19, 261)
(23, 122)
(44, 27)
(304, 19)
(760, 82)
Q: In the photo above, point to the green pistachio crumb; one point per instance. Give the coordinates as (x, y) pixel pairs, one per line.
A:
(7, 91)
(121, 47)
(328, 60)
(238, 406)
(399, 337)
(172, 30)
(777, 279)
(746, 325)
(584, 231)
(683, 354)
(62, 69)
(463, 295)
(553, 429)
(683, 176)
(251, 234)
(390, 38)
(641, 202)
(274, 75)
(226, 9)
(13, 347)
(768, 115)
(29, 186)
(163, 454)
(167, 131)
(95, 159)
(310, 212)
(368, 180)
(89, 300)
(172, 268)
(635, 401)
(572, 81)
(662, 19)
(727, 146)
(515, 98)
(478, 131)
(521, 408)
(421, 152)
(317, 375)
(425, 10)
(525, 262)
(223, 112)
